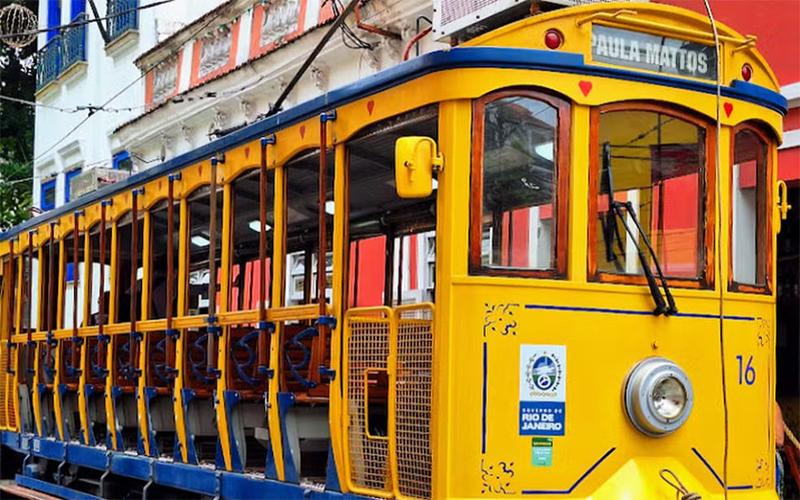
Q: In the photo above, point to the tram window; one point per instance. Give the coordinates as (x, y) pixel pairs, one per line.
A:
(749, 209)
(199, 241)
(522, 150)
(392, 249)
(98, 289)
(28, 284)
(126, 290)
(302, 226)
(72, 279)
(245, 290)
(157, 292)
(48, 294)
(657, 165)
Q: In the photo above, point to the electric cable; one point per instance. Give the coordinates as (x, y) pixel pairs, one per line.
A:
(717, 228)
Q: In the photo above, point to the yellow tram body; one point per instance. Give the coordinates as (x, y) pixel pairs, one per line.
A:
(481, 321)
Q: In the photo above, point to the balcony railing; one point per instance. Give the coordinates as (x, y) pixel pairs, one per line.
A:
(49, 65)
(75, 42)
(61, 52)
(123, 17)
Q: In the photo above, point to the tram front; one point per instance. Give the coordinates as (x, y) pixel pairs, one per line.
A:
(607, 324)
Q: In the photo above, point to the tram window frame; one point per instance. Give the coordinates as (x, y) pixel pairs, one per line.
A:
(562, 143)
(201, 194)
(707, 209)
(121, 273)
(763, 214)
(152, 264)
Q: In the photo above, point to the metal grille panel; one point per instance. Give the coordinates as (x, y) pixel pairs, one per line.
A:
(367, 350)
(4, 386)
(413, 404)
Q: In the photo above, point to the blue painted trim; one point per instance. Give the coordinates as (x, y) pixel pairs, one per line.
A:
(67, 178)
(44, 188)
(149, 394)
(231, 399)
(484, 397)
(465, 57)
(88, 456)
(191, 452)
(332, 475)
(605, 310)
(134, 466)
(286, 401)
(53, 489)
(716, 476)
(576, 483)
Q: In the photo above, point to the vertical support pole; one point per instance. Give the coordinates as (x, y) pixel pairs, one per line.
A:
(263, 327)
(29, 303)
(50, 288)
(171, 333)
(101, 306)
(212, 328)
(133, 341)
(321, 340)
(11, 309)
(74, 353)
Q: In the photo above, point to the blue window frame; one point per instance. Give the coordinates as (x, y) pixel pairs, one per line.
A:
(48, 195)
(77, 7)
(67, 179)
(53, 17)
(122, 161)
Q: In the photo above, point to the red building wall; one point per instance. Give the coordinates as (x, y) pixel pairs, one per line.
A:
(776, 24)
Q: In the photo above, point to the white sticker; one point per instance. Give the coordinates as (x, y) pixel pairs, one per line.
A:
(542, 389)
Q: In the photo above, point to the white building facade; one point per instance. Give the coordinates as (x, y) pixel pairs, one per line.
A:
(167, 78)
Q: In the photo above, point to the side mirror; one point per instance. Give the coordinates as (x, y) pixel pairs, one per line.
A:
(415, 159)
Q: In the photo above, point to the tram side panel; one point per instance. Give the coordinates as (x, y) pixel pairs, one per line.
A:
(542, 411)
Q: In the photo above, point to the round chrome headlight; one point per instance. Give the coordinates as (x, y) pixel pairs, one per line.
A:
(658, 396)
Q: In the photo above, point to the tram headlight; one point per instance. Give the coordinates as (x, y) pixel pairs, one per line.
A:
(658, 396)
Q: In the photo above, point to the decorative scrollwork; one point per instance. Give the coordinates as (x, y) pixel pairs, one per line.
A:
(296, 344)
(497, 477)
(499, 318)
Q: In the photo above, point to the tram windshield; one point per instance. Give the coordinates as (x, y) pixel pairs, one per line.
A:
(657, 163)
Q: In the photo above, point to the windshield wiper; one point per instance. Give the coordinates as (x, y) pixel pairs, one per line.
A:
(611, 231)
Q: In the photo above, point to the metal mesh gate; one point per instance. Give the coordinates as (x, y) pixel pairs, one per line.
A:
(399, 343)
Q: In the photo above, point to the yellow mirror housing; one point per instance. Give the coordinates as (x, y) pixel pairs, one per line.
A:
(415, 160)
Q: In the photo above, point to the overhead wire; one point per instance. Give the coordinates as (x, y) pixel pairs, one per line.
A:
(73, 109)
(718, 225)
(144, 73)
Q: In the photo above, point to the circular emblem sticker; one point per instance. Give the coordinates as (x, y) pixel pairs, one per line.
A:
(543, 372)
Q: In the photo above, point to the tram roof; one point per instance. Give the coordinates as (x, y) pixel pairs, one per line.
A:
(455, 58)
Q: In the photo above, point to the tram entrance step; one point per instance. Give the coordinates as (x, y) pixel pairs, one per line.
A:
(16, 491)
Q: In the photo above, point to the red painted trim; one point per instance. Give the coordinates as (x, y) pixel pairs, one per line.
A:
(789, 164)
(412, 263)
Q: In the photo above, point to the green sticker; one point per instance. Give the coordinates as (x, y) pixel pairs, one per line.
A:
(542, 454)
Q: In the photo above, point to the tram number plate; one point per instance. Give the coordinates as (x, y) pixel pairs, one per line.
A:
(653, 53)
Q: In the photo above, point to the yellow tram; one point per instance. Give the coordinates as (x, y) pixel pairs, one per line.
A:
(598, 186)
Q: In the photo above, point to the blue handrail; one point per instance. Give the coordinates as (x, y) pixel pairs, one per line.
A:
(124, 17)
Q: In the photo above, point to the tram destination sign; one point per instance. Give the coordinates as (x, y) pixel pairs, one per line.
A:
(653, 53)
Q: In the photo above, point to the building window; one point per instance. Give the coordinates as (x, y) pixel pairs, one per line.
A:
(48, 195)
(122, 161)
(68, 183)
(749, 211)
(53, 17)
(519, 182)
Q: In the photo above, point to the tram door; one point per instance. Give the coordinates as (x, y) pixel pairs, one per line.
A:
(389, 320)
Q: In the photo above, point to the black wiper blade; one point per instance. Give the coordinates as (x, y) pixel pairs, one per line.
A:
(671, 307)
(611, 231)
